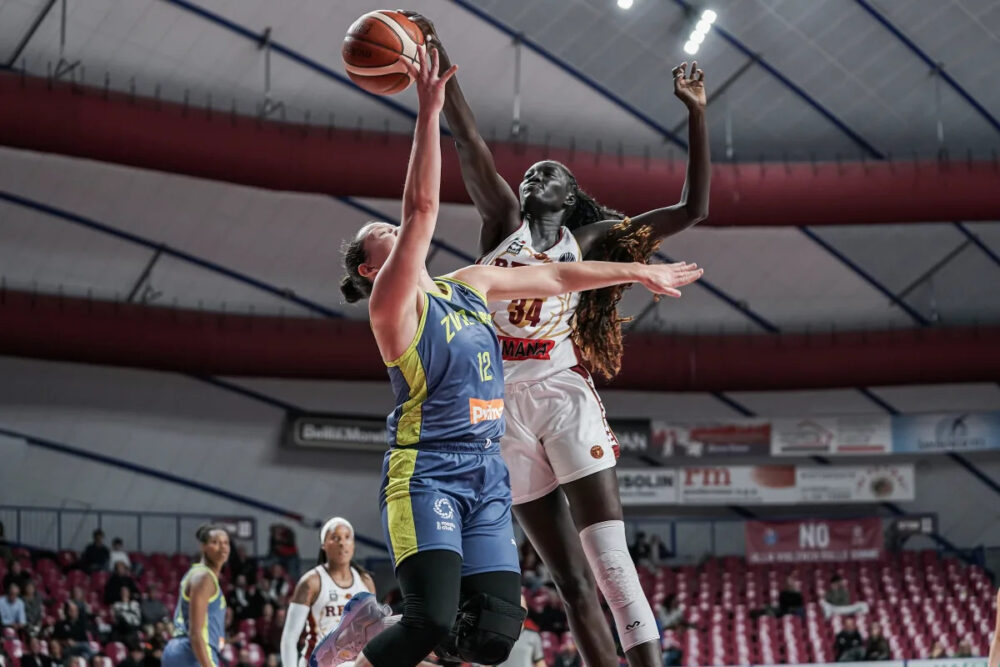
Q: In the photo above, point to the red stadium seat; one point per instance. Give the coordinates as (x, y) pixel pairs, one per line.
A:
(116, 651)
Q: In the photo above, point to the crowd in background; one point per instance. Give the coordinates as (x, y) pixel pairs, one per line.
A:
(258, 590)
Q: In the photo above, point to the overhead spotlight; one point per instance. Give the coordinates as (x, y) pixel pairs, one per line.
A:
(709, 15)
(625, 4)
(697, 37)
(701, 29)
(691, 48)
(703, 26)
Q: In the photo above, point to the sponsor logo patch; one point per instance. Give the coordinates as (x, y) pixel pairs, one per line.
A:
(597, 451)
(484, 411)
(517, 349)
(442, 507)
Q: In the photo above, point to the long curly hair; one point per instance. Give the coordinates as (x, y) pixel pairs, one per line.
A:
(597, 326)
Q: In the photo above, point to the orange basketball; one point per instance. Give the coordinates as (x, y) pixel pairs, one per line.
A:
(374, 49)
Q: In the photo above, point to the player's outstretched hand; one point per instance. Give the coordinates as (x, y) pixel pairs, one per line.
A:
(689, 87)
(430, 84)
(666, 278)
(425, 24)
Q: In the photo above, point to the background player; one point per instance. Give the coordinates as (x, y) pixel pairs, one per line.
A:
(445, 495)
(200, 617)
(557, 434)
(321, 594)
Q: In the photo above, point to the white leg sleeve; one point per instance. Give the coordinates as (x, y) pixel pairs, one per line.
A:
(607, 552)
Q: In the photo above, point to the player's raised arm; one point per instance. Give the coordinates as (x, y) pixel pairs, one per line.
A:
(396, 283)
(689, 87)
(540, 282)
(497, 204)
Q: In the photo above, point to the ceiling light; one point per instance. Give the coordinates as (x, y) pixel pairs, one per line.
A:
(691, 48)
(625, 4)
(703, 26)
(697, 37)
(709, 15)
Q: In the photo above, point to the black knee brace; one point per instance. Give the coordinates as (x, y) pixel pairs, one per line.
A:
(484, 632)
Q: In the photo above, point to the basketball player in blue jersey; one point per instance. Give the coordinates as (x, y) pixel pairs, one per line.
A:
(565, 490)
(200, 617)
(445, 494)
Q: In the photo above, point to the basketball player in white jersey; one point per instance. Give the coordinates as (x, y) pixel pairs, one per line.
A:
(320, 595)
(558, 444)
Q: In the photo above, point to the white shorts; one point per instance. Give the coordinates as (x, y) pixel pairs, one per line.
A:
(557, 432)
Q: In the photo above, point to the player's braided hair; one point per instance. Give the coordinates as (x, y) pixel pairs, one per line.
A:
(597, 326)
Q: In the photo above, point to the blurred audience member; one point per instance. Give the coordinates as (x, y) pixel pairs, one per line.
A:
(877, 647)
(121, 578)
(848, 645)
(937, 652)
(283, 550)
(276, 586)
(964, 649)
(670, 614)
(16, 575)
(127, 617)
(837, 601)
(241, 563)
(246, 601)
(74, 629)
(568, 655)
(790, 600)
(551, 617)
(152, 606)
(12, 608)
(118, 555)
(96, 556)
(34, 610)
(33, 657)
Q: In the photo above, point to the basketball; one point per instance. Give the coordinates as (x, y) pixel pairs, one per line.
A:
(375, 47)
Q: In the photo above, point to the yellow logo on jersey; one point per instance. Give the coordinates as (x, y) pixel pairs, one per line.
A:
(454, 321)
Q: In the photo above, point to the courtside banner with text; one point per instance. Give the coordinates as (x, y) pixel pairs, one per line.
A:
(651, 486)
(832, 436)
(734, 437)
(336, 432)
(814, 541)
(785, 485)
(955, 432)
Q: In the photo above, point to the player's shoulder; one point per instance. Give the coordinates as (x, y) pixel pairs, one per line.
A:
(311, 580)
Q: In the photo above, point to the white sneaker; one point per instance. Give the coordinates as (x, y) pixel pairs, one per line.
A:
(362, 620)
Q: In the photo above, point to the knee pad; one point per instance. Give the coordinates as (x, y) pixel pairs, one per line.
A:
(484, 632)
(607, 552)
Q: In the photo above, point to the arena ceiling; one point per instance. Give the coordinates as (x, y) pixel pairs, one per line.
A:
(790, 80)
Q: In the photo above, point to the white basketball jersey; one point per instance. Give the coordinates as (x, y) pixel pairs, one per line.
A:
(325, 613)
(534, 333)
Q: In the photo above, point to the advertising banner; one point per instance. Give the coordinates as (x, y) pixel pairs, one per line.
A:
(651, 486)
(955, 432)
(633, 438)
(336, 432)
(832, 436)
(781, 485)
(814, 541)
(735, 437)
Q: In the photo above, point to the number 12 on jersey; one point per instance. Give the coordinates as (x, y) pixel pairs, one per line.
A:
(485, 374)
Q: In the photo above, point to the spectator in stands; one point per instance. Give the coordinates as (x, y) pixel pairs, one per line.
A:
(96, 556)
(74, 629)
(640, 549)
(673, 656)
(964, 649)
(121, 577)
(877, 647)
(246, 601)
(244, 658)
(838, 600)
(937, 652)
(568, 655)
(34, 610)
(6, 554)
(152, 606)
(127, 616)
(527, 650)
(56, 654)
(790, 600)
(16, 575)
(118, 555)
(241, 563)
(670, 614)
(658, 552)
(12, 608)
(283, 550)
(551, 617)
(80, 598)
(264, 625)
(33, 657)
(275, 585)
(154, 653)
(848, 645)
(135, 656)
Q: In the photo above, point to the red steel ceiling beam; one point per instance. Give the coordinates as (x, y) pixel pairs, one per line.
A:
(41, 115)
(203, 343)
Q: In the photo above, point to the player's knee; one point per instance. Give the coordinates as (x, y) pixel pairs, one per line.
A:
(575, 588)
(484, 632)
(434, 621)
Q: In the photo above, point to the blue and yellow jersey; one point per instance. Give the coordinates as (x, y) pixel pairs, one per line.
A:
(213, 632)
(449, 381)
